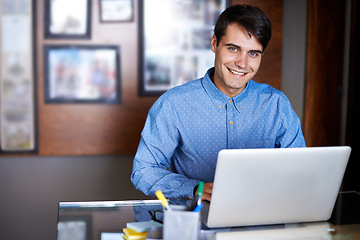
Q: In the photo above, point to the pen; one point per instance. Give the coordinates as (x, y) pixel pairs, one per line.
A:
(198, 208)
(163, 200)
(200, 192)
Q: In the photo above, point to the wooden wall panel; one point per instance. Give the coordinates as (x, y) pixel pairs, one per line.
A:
(324, 64)
(98, 129)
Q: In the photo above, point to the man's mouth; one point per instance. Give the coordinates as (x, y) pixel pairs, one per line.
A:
(237, 73)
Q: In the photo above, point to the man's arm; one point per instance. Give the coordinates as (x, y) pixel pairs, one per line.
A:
(159, 139)
(290, 134)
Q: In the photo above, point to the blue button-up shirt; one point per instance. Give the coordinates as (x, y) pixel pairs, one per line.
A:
(188, 125)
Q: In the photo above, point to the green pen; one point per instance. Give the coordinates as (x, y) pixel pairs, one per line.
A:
(200, 192)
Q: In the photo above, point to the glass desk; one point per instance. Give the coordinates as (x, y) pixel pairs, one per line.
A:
(106, 220)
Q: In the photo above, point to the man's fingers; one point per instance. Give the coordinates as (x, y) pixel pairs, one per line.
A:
(206, 197)
(207, 191)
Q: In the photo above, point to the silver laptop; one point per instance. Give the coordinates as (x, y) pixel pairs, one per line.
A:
(275, 186)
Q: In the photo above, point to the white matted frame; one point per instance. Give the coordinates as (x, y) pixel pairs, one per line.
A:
(67, 19)
(82, 74)
(116, 11)
(175, 41)
(17, 77)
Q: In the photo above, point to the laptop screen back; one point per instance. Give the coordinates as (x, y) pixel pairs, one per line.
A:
(270, 186)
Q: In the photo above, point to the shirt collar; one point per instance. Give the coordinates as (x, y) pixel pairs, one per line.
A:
(219, 98)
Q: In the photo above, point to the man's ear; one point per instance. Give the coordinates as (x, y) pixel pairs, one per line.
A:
(213, 43)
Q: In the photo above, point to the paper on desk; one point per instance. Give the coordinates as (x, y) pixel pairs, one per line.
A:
(300, 231)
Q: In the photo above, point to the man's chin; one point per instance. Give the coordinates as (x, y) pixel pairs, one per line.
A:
(238, 86)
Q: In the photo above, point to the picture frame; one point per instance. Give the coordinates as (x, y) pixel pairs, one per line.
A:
(82, 74)
(178, 50)
(67, 19)
(74, 227)
(114, 11)
(18, 111)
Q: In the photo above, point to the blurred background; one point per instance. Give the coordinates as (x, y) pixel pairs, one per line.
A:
(82, 150)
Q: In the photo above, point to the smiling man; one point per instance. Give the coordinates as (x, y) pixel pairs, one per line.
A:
(237, 59)
(188, 125)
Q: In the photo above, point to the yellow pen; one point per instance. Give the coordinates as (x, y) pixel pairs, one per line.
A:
(163, 200)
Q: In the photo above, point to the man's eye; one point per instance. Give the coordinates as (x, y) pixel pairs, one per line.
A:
(232, 49)
(254, 54)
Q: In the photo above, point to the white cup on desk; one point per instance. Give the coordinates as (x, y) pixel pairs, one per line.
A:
(181, 224)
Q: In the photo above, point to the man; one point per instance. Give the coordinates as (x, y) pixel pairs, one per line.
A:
(188, 125)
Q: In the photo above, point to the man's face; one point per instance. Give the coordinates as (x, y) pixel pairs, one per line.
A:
(237, 59)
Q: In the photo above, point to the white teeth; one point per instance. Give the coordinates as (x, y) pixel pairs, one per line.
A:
(237, 73)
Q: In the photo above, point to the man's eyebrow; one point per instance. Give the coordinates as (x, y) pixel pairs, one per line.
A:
(236, 46)
(257, 51)
(232, 45)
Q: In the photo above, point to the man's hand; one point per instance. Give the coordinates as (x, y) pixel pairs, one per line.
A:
(207, 191)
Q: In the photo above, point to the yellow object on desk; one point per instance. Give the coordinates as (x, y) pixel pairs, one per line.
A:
(163, 200)
(134, 235)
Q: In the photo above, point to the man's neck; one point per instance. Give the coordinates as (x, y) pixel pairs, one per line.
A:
(231, 92)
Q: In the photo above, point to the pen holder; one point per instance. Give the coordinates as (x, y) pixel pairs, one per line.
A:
(181, 224)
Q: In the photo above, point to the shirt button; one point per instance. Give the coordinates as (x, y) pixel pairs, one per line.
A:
(219, 106)
(230, 101)
(239, 108)
(231, 122)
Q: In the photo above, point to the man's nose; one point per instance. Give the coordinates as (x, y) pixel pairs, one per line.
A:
(241, 60)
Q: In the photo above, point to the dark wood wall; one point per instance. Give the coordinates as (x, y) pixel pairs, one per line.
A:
(324, 81)
(97, 129)
(324, 72)
(352, 176)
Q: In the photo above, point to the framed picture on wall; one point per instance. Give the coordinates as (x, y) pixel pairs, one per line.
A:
(116, 10)
(82, 74)
(18, 133)
(175, 41)
(67, 19)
